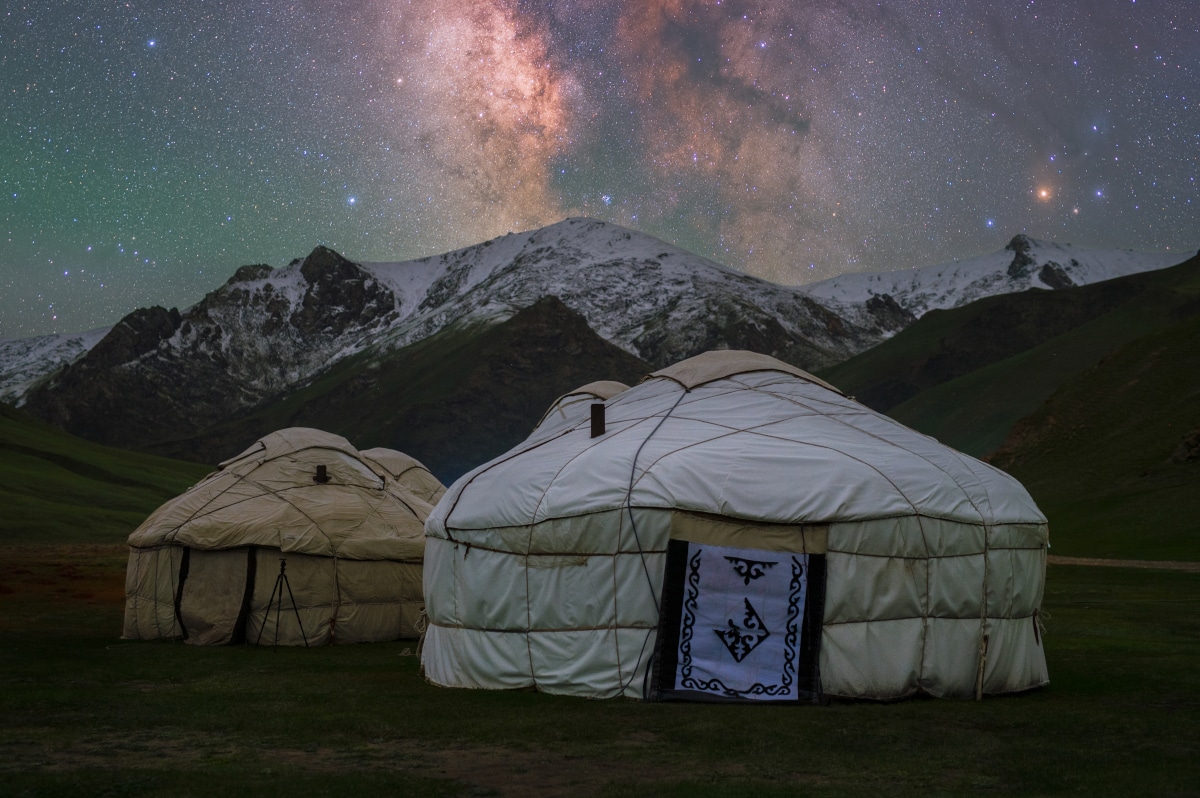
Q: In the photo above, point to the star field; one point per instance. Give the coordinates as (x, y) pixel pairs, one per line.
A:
(149, 150)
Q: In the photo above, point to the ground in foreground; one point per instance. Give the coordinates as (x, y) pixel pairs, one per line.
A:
(83, 712)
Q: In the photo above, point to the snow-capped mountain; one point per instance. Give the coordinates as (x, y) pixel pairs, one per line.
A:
(23, 361)
(648, 297)
(267, 330)
(1024, 264)
(251, 339)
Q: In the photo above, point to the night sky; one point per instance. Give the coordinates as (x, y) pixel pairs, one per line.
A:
(148, 150)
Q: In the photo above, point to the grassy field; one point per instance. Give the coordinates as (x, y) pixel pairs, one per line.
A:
(56, 487)
(82, 712)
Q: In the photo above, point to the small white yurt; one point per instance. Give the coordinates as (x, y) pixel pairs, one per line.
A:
(740, 530)
(299, 540)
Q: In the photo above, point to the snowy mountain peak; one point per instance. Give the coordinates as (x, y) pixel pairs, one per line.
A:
(248, 274)
(24, 361)
(1020, 243)
(1025, 263)
(647, 296)
(267, 331)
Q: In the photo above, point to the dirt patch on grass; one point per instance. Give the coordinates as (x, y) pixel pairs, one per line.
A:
(65, 569)
(1162, 565)
(481, 770)
(35, 580)
(137, 750)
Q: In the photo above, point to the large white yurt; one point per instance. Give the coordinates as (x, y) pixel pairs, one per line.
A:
(299, 540)
(740, 530)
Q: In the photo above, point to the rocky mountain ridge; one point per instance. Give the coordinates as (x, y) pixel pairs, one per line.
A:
(1024, 264)
(266, 331)
(242, 344)
(652, 299)
(452, 400)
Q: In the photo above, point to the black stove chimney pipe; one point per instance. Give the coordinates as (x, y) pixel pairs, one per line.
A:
(597, 419)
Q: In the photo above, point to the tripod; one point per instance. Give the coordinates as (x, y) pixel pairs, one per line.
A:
(281, 582)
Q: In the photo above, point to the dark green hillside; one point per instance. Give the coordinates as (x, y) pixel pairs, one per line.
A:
(967, 375)
(56, 488)
(453, 400)
(1113, 457)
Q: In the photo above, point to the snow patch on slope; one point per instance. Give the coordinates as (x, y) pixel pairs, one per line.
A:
(24, 361)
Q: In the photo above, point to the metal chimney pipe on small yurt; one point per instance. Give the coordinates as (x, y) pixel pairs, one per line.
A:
(597, 419)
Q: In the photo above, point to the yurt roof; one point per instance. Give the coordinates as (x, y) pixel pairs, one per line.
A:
(285, 441)
(300, 490)
(408, 471)
(394, 463)
(599, 391)
(722, 363)
(739, 435)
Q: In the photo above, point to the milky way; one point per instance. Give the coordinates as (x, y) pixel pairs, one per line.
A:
(149, 151)
(479, 112)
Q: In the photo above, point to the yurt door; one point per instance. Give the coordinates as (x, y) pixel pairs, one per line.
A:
(738, 624)
(211, 595)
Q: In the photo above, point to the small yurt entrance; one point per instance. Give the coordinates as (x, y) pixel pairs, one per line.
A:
(256, 595)
(215, 590)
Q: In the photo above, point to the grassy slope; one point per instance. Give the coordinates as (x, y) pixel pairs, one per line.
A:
(58, 488)
(1106, 456)
(976, 370)
(85, 714)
